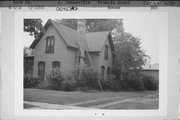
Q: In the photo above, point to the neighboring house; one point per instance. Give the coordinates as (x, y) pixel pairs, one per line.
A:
(28, 61)
(151, 70)
(67, 49)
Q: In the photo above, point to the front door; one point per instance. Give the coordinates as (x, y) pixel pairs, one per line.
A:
(41, 69)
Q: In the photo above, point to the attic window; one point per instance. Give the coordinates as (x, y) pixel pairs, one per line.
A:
(106, 52)
(50, 44)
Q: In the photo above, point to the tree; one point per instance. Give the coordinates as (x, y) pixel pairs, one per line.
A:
(33, 26)
(72, 23)
(129, 55)
(28, 51)
(94, 25)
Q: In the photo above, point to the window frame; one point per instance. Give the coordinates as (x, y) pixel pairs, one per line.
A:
(50, 41)
(39, 71)
(103, 70)
(106, 50)
(53, 64)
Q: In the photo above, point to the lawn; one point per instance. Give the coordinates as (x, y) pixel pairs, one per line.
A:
(95, 99)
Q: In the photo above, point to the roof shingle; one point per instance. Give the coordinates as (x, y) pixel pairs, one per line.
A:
(69, 35)
(94, 40)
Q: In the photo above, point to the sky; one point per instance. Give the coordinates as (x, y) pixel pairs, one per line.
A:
(146, 29)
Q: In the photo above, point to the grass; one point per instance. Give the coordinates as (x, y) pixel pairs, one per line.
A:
(145, 100)
(28, 106)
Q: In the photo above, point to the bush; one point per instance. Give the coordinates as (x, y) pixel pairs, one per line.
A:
(68, 84)
(111, 83)
(150, 83)
(135, 85)
(55, 79)
(88, 79)
(30, 82)
(134, 82)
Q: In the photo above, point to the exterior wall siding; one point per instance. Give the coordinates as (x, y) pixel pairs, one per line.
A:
(71, 55)
(66, 55)
(61, 53)
(102, 61)
(95, 59)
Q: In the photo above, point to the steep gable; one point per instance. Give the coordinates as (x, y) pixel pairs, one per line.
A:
(96, 40)
(69, 35)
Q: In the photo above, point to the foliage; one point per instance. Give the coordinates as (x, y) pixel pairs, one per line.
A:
(88, 78)
(30, 82)
(55, 79)
(94, 25)
(111, 83)
(129, 55)
(33, 27)
(28, 51)
(69, 83)
(134, 82)
(150, 83)
(72, 23)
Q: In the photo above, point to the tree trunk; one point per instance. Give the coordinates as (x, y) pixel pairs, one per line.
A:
(99, 84)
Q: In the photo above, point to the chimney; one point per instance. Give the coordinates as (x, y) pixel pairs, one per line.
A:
(81, 25)
(81, 29)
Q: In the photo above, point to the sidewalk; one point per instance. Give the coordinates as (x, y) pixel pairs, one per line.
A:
(41, 105)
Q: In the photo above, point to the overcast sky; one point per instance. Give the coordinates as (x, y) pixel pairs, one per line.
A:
(146, 29)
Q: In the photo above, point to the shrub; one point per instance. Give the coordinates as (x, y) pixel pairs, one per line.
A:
(88, 78)
(134, 82)
(30, 82)
(68, 84)
(150, 83)
(111, 83)
(55, 79)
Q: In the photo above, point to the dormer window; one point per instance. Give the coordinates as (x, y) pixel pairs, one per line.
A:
(106, 52)
(50, 44)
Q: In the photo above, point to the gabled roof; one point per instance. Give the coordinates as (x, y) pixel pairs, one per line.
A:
(69, 35)
(94, 40)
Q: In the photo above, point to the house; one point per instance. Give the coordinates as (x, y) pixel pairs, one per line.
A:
(67, 49)
(28, 61)
(151, 70)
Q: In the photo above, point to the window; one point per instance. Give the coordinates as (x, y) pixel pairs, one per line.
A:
(50, 44)
(41, 69)
(56, 68)
(106, 52)
(102, 70)
(56, 64)
(108, 70)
